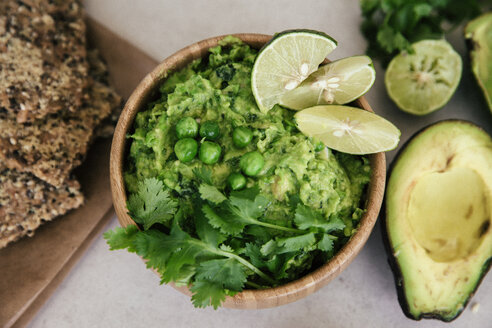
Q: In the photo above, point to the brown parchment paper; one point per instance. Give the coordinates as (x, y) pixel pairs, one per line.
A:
(32, 268)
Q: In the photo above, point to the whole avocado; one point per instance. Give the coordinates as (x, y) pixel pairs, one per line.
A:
(437, 219)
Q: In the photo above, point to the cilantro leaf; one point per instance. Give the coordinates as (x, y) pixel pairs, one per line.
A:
(297, 243)
(211, 193)
(206, 232)
(247, 209)
(390, 26)
(204, 174)
(227, 225)
(207, 293)
(151, 204)
(121, 238)
(254, 253)
(269, 248)
(306, 218)
(326, 243)
(238, 211)
(228, 273)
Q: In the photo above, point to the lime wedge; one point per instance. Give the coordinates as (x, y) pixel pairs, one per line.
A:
(338, 82)
(424, 81)
(284, 62)
(348, 129)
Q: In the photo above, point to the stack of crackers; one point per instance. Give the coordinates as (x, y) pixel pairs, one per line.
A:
(54, 95)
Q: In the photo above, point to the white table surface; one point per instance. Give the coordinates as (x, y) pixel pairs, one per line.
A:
(114, 289)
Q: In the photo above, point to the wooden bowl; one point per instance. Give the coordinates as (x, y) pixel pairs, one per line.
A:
(248, 299)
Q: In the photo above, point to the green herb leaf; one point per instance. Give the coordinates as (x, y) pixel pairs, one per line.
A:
(390, 26)
(151, 204)
(297, 243)
(326, 243)
(306, 218)
(204, 174)
(121, 238)
(206, 232)
(211, 193)
(226, 224)
(206, 293)
(227, 273)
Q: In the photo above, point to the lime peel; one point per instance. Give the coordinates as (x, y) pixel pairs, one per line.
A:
(348, 129)
(338, 82)
(285, 62)
(424, 81)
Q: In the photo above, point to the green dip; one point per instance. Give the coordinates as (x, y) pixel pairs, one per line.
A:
(217, 88)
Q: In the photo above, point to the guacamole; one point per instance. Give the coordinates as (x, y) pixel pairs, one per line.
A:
(303, 185)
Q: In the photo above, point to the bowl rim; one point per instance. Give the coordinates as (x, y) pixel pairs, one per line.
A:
(247, 299)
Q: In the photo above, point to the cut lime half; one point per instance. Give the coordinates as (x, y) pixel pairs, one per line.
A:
(424, 81)
(338, 82)
(284, 62)
(348, 129)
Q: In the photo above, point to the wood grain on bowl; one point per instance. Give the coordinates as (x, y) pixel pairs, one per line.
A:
(247, 299)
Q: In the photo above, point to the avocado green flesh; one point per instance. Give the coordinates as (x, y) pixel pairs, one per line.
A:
(438, 216)
(217, 88)
(479, 32)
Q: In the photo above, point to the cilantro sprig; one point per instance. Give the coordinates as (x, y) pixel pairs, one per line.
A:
(391, 26)
(230, 243)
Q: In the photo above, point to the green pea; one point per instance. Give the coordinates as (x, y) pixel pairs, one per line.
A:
(251, 163)
(186, 149)
(187, 127)
(209, 152)
(210, 130)
(236, 181)
(319, 146)
(242, 136)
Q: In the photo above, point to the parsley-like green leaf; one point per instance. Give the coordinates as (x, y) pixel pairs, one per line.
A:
(204, 174)
(241, 209)
(211, 193)
(151, 204)
(390, 26)
(326, 243)
(121, 238)
(226, 224)
(228, 273)
(307, 217)
(206, 232)
(294, 244)
(269, 248)
(247, 209)
(206, 293)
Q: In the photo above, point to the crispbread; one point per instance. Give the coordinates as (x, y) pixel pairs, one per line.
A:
(51, 147)
(43, 66)
(26, 202)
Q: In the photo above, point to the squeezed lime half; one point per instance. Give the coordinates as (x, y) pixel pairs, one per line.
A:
(348, 129)
(287, 60)
(338, 82)
(424, 81)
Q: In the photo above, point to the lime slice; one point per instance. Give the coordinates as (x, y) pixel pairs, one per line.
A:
(424, 81)
(338, 82)
(348, 129)
(284, 62)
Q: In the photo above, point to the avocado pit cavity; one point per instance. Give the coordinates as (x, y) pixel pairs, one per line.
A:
(448, 211)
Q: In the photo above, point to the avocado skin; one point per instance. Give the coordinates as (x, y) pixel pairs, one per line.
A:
(392, 261)
(473, 45)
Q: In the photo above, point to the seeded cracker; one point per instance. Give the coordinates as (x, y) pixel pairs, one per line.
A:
(43, 66)
(51, 147)
(26, 202)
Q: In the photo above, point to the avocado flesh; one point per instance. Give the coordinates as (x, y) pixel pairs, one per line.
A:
(438, 215)
(479, 33)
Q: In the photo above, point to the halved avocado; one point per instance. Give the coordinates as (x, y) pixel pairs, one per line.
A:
(438, 217)
(479, 34)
